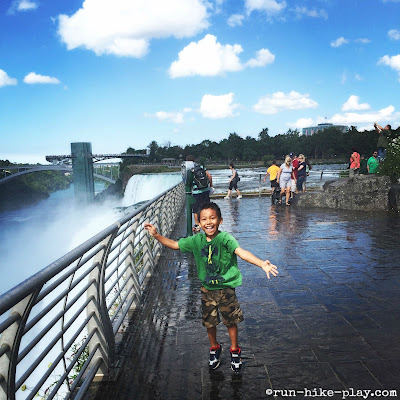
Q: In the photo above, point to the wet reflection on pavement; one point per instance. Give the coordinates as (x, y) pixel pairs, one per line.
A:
(330, 320)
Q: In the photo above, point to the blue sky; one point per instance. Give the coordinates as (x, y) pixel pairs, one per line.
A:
(122, 73)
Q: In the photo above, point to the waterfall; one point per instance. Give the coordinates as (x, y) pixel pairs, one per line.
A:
(147, 186)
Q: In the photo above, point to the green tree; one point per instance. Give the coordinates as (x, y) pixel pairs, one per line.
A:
(154, 150)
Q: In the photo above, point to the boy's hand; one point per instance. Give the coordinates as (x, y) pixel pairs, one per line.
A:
(269, 268)
(151, 229)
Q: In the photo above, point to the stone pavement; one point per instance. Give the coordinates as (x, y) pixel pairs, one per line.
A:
(330, 321)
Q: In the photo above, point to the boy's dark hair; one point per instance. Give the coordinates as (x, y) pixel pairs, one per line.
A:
(212, 206)
(273, 162)
(190, 158)
(389, 126)
(231, 165)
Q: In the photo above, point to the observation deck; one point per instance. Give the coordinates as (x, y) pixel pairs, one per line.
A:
(329, 321)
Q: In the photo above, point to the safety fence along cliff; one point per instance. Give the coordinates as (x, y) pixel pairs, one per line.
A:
(59, 327)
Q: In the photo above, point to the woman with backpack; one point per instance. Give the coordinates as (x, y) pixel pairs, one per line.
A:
(233, 182)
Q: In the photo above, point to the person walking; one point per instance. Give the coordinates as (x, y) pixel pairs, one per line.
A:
(354, 162)
(216, 253)
(272, 171)
(373, 163)
(201, 185)
(293, 183)
(233, 182)
(308, 169)
(284, 179)
(301, 173)
(363, 165)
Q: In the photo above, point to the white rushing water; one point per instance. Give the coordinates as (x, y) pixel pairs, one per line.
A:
(147, 186)
(32, 238)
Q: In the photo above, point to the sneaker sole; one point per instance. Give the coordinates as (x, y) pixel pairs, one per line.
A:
(214, 367)
(237, 371)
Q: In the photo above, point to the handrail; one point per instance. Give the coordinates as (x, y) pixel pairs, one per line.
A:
(59, 327)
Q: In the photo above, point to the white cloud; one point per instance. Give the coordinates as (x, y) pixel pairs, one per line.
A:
(33, 78)
(363, 40)
(303, 123)
(218, 107)
(358, 77)
(218, 6)
(263, 57)
(207, 57)
(125, 27)
(175, 117)
(22, 5)
(339, 42)
(392, 62)
(279, 101)
(363, 121)
(394, 34)
(353, 104)
(5, 80)
(270, 7)
(25, 5)
(385, 114)
(304, 11)
(364, 128)
(235, 20)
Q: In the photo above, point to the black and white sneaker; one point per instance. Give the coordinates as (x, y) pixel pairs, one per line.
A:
(236, 361)
(215, 355)
(196, 229)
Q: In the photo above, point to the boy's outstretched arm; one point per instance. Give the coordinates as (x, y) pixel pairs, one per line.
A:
(172, 244)
(251, 258)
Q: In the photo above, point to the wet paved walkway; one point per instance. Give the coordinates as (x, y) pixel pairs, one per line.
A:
(331, 320)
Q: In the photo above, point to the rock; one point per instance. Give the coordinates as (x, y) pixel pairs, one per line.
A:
(113, 191)
(362, 192)
(394, 197)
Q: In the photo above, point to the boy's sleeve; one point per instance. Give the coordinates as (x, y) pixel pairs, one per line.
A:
(186, 244)
(231, 243)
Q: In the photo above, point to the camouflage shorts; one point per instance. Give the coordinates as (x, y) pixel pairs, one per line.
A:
(226, 301)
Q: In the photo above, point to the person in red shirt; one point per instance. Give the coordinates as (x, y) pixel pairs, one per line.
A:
(295, 164)
(354, 162)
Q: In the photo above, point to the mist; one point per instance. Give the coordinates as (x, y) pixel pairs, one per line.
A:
(34, 237)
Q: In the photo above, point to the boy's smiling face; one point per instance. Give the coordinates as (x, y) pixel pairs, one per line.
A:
(210, 222)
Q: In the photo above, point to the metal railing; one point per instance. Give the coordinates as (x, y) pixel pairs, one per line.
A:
(58, 328)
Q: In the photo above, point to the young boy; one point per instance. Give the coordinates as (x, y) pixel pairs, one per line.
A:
(215, 254)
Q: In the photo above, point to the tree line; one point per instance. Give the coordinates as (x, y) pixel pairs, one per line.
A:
(28, 189)
(331, 143)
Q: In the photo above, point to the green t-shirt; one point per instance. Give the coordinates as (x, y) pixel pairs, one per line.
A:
(373, 164)
(383, 140)
(215, 260)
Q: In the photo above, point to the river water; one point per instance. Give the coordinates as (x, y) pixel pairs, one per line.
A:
(31, 238)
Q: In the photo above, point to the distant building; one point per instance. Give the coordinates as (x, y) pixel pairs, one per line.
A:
(320, 127)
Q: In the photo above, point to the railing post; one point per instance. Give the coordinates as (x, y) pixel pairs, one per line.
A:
(100, 324)
(11, 339)
(134, 279)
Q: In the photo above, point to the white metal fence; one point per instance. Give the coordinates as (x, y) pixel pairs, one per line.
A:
(58, 327)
